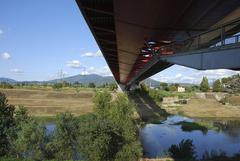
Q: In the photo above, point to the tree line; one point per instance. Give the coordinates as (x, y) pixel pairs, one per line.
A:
(58, 85)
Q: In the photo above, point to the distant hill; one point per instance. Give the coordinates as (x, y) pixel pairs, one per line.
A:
(8, 80)
(84, 79)
(151, 82)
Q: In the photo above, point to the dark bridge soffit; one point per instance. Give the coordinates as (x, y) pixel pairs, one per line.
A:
(120, 26)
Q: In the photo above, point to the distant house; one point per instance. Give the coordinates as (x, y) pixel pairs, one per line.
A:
(181, 89)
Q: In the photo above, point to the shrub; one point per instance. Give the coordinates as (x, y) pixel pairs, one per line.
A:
(30, 141)
(63, 144)
(6, 122)
(109, 134)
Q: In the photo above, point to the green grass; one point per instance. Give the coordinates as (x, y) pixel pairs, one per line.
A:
(201, 125)
(45, 118)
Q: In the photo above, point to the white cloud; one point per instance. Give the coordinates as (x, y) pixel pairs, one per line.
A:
(179, 75)
(74, 64)
(1, 32)
(91, 54)
(103, 71)
(188, 75)
(6, 56)
(16, 71)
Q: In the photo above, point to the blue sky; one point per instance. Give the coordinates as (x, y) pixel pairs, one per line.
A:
(41, 39)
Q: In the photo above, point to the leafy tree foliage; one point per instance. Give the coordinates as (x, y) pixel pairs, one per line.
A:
(57, 86)
(21, 115)
(101, 102)
(113, 86)
(172, 88)
(91, 85)
(30, 140)
(164, 86)
(109, 134)
(204, 86)
(217, 86)
(63, 144)
(6, 122)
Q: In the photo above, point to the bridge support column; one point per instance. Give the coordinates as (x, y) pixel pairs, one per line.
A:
(134, 86)
(121, 88)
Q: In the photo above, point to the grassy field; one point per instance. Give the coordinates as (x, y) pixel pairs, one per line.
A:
(47, 103)
(209, 108)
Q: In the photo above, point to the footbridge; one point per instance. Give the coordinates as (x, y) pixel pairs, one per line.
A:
(140, 38)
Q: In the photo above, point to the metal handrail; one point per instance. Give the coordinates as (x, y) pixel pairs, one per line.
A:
(198, 36)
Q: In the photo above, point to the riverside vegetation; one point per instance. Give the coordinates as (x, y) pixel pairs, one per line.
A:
(107, 134)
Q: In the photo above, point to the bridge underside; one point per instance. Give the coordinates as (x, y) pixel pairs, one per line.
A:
(120, 28)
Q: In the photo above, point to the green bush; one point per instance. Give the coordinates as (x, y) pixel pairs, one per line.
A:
(30, 141)
(110, 133)
(6, 123)
(63, 143)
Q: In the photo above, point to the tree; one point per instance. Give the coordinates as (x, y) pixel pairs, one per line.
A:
(110, 133)
(6, 122)
(163, 86)
(63, 144)
(30, 141)
(57, 86)
(113, 86)
(6, 85)
(204, 86)
(172, 88)
(91, 85)
(217, 86)
(101, 102)
(21, 115)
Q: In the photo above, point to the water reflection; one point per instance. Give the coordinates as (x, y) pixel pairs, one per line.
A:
(158, 138)
(185, 150)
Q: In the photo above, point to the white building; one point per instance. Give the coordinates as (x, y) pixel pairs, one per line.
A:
(181, 89)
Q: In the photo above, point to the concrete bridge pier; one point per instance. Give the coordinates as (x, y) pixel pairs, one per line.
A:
(124, 88)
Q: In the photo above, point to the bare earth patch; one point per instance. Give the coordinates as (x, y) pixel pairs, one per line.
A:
(49, 102)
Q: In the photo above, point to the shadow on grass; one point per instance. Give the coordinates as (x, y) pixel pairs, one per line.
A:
(147, 108)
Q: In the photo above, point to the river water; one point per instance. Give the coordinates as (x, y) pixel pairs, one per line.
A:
(156, 139)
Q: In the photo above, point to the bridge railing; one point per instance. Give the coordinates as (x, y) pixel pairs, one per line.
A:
(226, 34)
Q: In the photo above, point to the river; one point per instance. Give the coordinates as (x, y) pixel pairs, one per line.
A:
(156, 139)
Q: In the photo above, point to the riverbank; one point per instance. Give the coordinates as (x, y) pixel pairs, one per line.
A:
(209, 108)
(205, 107)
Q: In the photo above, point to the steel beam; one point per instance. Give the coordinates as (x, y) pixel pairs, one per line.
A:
(226, 57)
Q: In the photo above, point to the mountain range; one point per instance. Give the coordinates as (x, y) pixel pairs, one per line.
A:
(84, 79)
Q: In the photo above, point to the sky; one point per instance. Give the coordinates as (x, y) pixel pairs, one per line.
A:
(48, 39)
